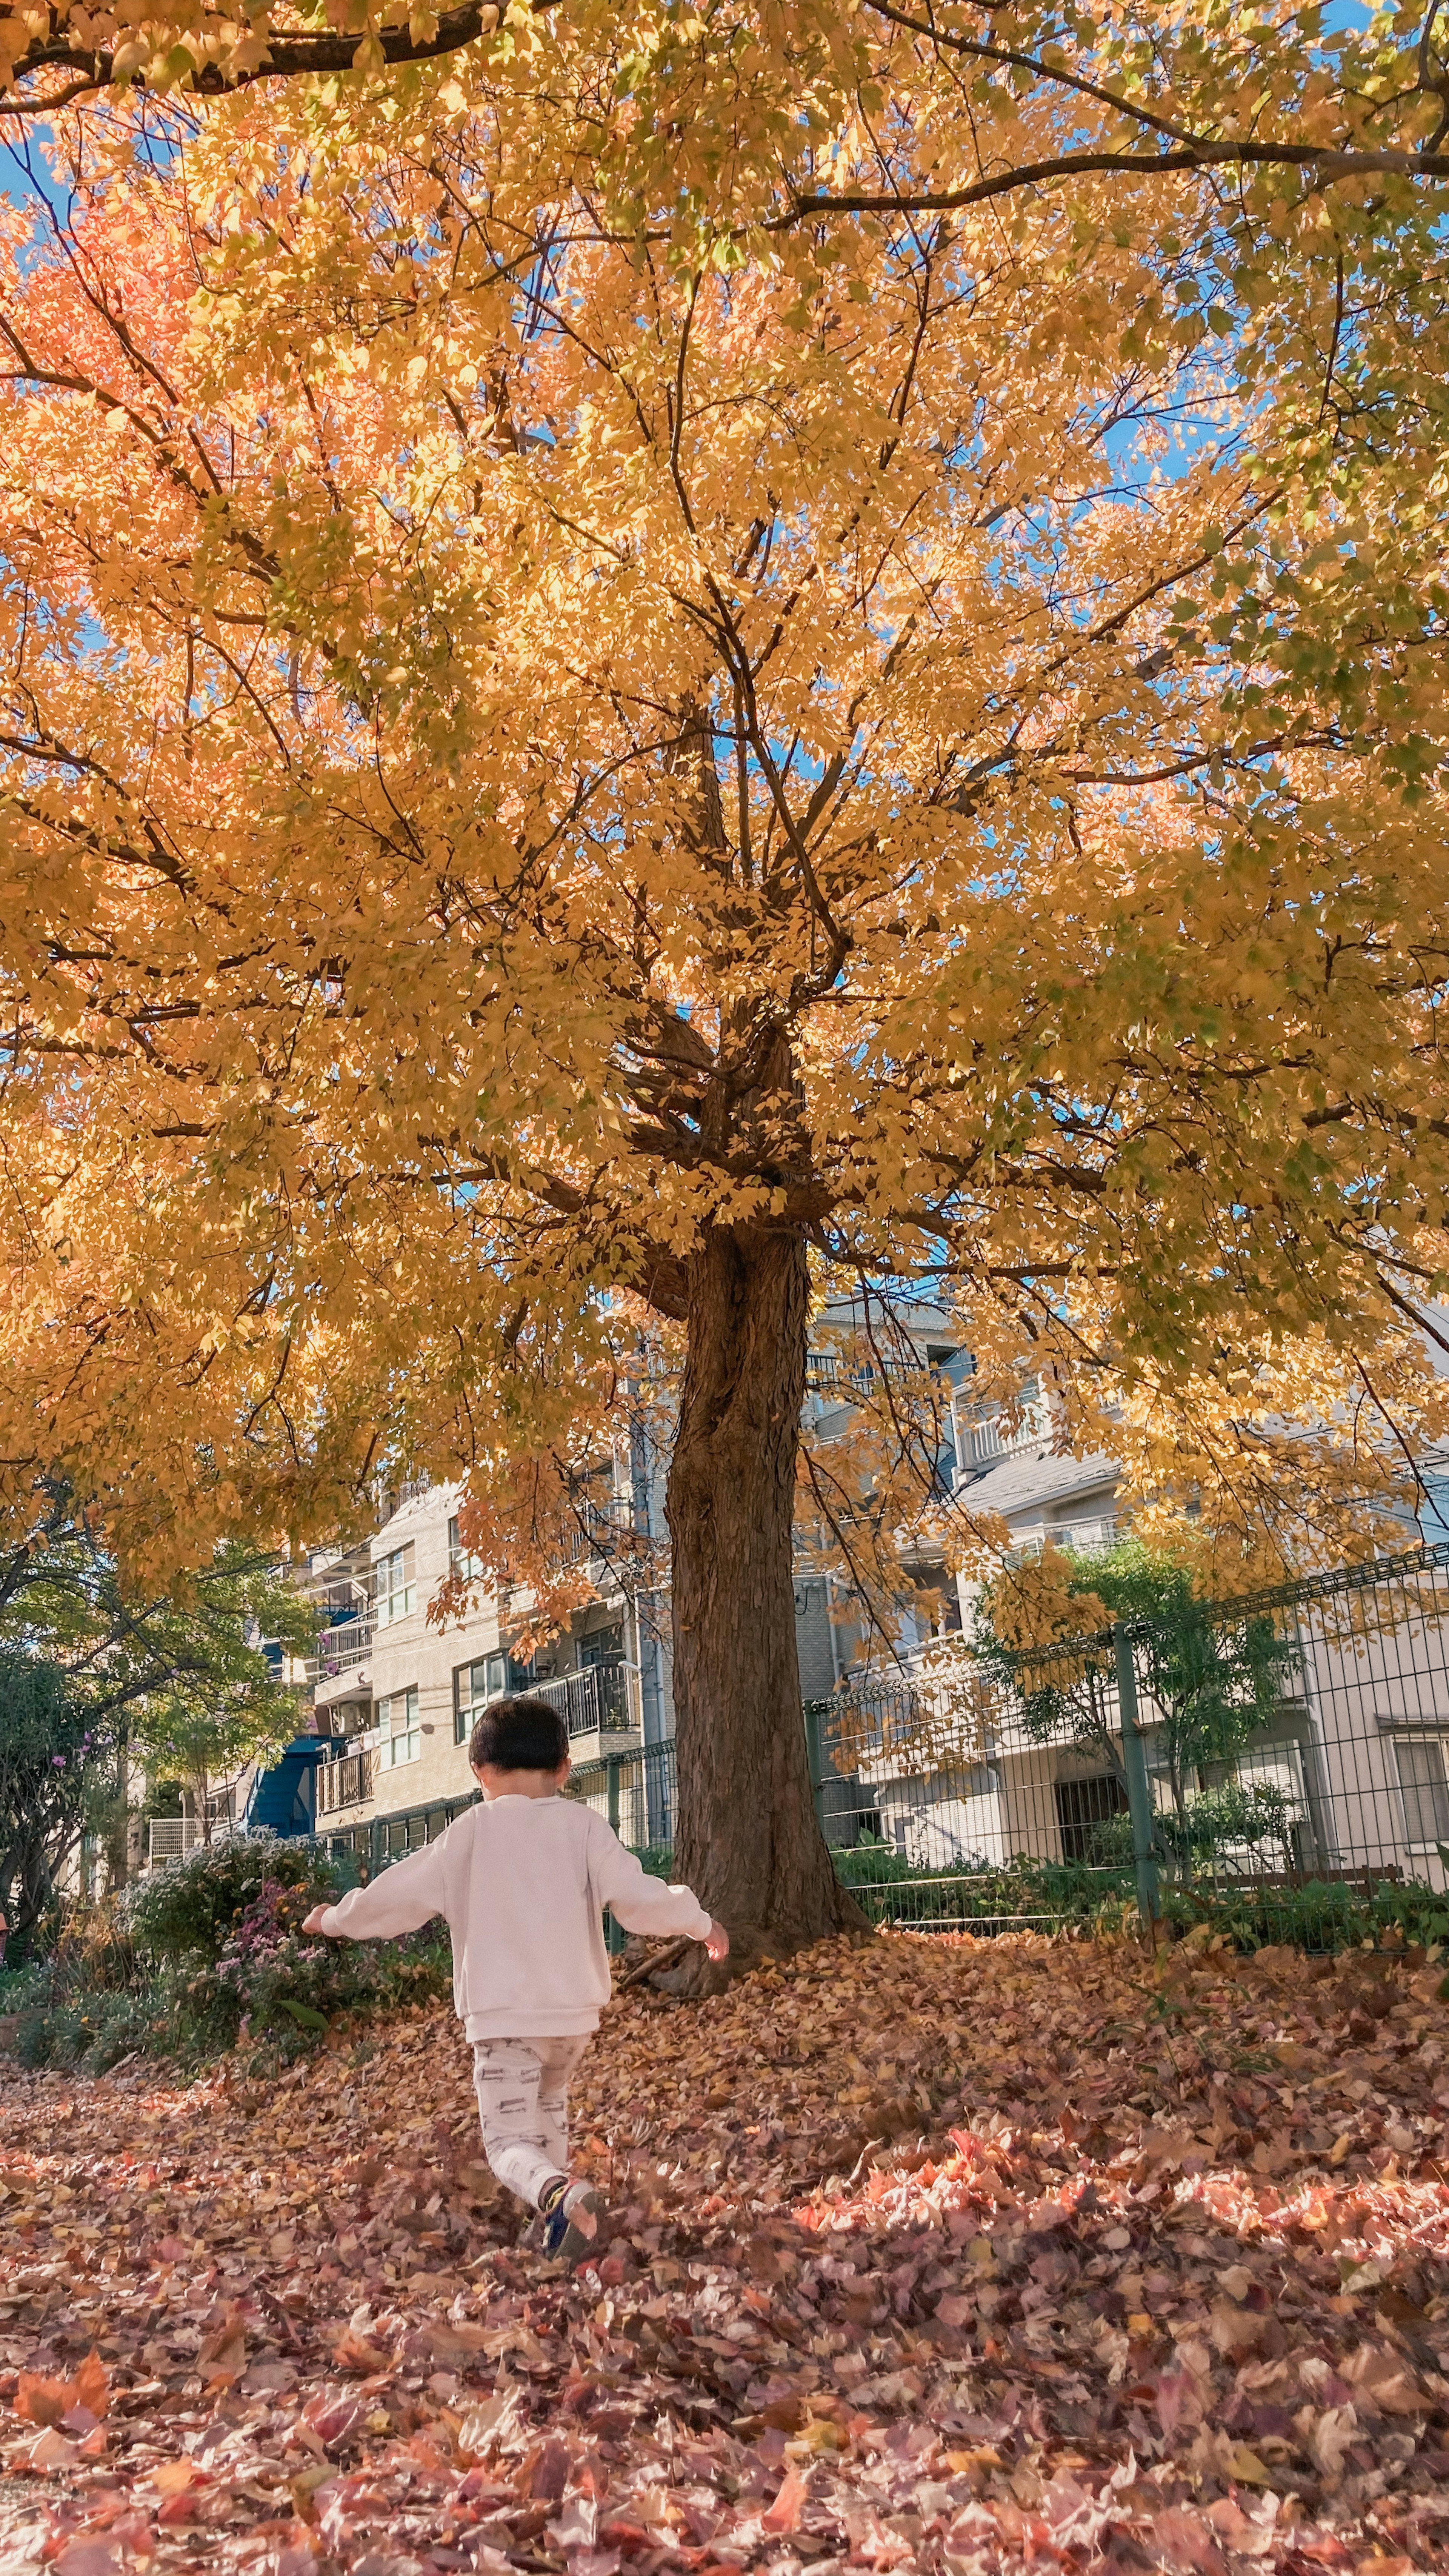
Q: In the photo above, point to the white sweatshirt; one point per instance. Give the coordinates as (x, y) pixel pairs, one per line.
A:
(523, 1883)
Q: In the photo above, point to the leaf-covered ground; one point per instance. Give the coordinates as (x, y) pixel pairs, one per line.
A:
(932, 2254)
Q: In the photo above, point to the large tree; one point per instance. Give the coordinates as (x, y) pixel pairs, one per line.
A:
(569, 755)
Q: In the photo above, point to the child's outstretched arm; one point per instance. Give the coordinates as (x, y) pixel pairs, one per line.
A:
(645, 1904)
(400, 1899)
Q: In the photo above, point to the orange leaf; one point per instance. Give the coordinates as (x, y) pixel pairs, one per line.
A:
(784, 2513)
(91, 2385)
(177, 2508)
(173, 2477)
(39, 2400)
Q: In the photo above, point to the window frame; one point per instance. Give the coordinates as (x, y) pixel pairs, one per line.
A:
(1413, 1792)
(614, 1652)
(389, 1736)
(463, 1716)
(462, 1566)
(394, 1601)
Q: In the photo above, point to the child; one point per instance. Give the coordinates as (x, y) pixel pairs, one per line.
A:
(523, 1881)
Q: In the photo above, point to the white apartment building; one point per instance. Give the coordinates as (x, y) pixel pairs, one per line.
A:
(397, 1694)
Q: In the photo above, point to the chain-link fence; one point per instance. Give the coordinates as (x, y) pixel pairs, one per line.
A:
(1279, 1764)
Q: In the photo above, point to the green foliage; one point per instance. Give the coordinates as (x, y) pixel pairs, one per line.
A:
(1248, 1823)
(221, 1704)
(210, 1954)
(52, 1741)
(86, 2032)
(306, 2016)
(1317, 1915)
(273, 1980)
(1208, 1686)
(91, 1675)
(895, 1890)
(191, 1907)
(24, 1986)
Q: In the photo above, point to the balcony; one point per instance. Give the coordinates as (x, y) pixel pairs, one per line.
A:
(340, 1650)
(168, 1837)
(171, 1837)
(601, 1531)
(838, 1378)
(1078, 1538)
(603, 1699)
(344, 1784)
(990, 1440)
(341, 1669)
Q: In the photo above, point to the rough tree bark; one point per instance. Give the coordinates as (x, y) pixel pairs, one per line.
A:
(747, 1838)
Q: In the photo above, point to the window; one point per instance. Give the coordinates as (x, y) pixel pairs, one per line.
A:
(464, 1567)
(1424, 1788)
(601, 1648)
(400, 1737)
(1083, 1807)
(473, 1686)
(396, 1592)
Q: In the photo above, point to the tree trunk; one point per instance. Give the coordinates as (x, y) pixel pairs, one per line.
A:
(747, 1840)
(118, 1830)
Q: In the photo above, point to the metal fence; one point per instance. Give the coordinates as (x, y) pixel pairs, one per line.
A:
(1278, 1762)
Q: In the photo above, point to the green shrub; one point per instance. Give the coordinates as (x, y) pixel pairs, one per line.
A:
(1055, 1891)
(209, 1952)
(1317, 1915)
(22, 1988)
(274, 1980)
(191, 1907)
(86, 2032)
(1254, 1819)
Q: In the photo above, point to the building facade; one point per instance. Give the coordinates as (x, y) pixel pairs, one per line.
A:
(1356, 1757)
(395, 1693)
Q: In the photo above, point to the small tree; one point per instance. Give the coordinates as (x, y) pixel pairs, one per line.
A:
(53, 1752)
(190, 1735)
(91, 1679)
(1208, 1685)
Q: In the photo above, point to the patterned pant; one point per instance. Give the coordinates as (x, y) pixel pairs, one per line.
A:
(523, 2104)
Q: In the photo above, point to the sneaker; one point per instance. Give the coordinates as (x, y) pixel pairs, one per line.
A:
(571, 2212)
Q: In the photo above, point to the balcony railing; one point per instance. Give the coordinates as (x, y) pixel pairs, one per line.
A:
(601, 1529)
(170, 1836)
(599, 1700)
(1080, 1538)
(839, 1379)
(345, 1783)
(340, 1650)
(991, 1439)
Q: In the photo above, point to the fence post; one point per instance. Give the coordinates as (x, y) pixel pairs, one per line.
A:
(612, 1761)
(1139, 1793)
(814, 1755)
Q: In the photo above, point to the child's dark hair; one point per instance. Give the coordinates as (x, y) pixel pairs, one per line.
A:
(519, 1732)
